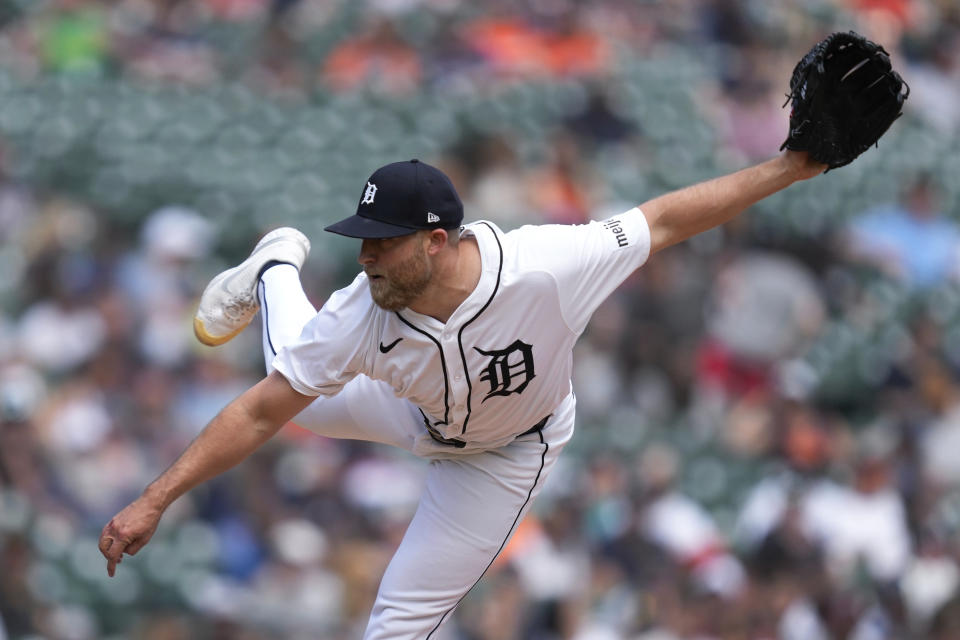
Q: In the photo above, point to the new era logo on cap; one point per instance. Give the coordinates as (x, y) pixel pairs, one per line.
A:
(401, 198)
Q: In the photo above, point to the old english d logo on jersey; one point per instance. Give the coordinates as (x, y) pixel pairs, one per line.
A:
(509, 370)
(369, 193)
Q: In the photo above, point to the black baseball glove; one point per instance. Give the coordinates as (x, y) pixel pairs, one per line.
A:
(844, 95)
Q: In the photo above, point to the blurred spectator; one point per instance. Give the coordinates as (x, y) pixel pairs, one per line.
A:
(934, 79)
(158, 280)
(930, 581)
(678, 524)
(499, 192)
(862, 527)
(911, 241)
(750, 112)
(885, 20)
(764, 309)
(61, 335)
(873, 533)
(238, 10)
(17, 204)
(728, 21)
(62, 329)
(940, 440)
(560, 189)
(72, 37)
(600, 119)
(514, 47)
(165, 45)
(377, 58)
(279, 68)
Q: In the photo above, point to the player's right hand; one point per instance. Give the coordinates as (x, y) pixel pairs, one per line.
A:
(128, 531)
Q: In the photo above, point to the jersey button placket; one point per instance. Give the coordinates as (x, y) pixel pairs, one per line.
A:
(458, 385)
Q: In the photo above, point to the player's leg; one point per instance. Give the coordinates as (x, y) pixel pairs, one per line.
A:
(365, 409)
(284, 309)
(469, 509)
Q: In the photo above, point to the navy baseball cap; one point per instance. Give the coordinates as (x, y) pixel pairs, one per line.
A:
(401, 198)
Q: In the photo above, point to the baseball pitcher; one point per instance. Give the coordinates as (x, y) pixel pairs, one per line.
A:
(455, 343)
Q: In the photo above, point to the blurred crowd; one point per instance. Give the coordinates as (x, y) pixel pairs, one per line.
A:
(767, 413)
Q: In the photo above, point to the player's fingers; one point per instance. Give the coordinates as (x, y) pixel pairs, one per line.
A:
(135, 546)
(107, 537)
(105, 542)
(114, 556)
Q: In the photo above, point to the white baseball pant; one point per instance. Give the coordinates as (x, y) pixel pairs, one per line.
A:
(471, 503)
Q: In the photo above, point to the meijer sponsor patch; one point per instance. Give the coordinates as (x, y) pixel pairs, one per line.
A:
(616, 228)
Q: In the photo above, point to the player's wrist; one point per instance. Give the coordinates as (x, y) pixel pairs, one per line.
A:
(156, 496)
(800, 166)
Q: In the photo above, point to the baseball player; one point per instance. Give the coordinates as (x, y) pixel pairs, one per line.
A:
(454, 343)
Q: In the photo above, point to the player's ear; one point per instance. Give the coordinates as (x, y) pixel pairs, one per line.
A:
(437, 240)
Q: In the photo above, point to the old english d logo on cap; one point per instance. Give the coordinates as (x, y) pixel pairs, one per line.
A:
(369, 193)
(401, 198)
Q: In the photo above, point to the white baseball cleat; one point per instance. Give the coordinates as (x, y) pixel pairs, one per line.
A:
(229, 302)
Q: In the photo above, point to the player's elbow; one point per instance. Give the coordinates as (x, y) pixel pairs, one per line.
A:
(272, 402)
(662, 232)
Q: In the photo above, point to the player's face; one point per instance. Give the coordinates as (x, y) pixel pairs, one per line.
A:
(398, 270)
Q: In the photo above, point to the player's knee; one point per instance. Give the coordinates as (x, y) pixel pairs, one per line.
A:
(406, 619)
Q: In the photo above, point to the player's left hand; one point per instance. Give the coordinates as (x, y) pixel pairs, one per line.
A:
(844, 95)
(801, 165)
(128, 531)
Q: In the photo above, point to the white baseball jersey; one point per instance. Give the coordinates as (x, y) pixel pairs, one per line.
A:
(503, 361)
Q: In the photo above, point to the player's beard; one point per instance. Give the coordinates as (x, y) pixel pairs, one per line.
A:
(404, 283)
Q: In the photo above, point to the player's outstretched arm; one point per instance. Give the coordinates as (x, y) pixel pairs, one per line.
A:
(237, 431)
(678, 215)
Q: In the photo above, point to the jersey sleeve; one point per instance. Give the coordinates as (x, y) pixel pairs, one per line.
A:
(333, 346)
(588, 261)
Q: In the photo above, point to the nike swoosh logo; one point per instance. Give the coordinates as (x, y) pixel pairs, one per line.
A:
(387, 348)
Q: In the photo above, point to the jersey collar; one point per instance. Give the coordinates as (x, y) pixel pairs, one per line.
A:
(491, 267)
